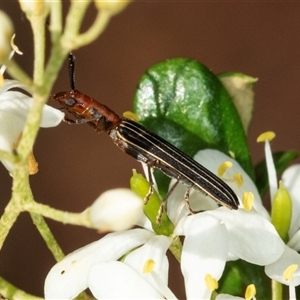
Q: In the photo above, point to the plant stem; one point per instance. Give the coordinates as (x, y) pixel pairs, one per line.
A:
(38, 28)
(276, 290)
(55, 62)
(32, 126)
(11, 292)
(4, 155)
(17, 73)
(80, 219)
(47, 235)
(176, 248)
(55, 27)
(73, 23)
(10, 215)
(94, 31)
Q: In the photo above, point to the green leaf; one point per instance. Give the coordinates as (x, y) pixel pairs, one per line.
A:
(241, 89)
(186, 104)
(281, 161)
(239, 274)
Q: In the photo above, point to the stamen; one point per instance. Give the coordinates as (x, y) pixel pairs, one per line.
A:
(231, 153)
(238, 178)
(11, 54)
(272, 177)
(266, 136)
(211, 283)
(288, 273)
(248, 199)
(131, 116)
(33, 164)
(149, 266)
(14, 46)
(223, 168)
(250, 292)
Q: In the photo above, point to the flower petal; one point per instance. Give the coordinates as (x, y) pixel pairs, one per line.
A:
(10, 84)
(294, 242)
(177, 208)
(116, 280)
(228, 297)
(252, 237)
(155, 249)
(13, 116)
(14, 109)
(19, 104)
(69, 276)
(212, 159)
(276, 269)
(204, 252)
(51, 117)
(291, 181)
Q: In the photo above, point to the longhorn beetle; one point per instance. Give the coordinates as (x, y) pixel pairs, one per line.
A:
(144, 146)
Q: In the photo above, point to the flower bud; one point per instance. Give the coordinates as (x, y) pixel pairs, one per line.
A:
(6, 32)
(113, 7)
(34, 7)
(115, 210)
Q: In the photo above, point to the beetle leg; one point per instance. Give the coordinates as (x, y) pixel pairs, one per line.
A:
(163, 204)
(186, 199)
(151, 188)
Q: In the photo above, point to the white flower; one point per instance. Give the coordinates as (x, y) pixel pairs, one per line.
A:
(211, 238)
(218, 235)
(14, 108)
(96, 262)
(290, 259)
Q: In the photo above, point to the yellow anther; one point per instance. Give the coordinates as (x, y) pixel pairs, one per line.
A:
(266, 136)
(33, 164)
(211, 283)
(248, 199)
(250, 292)
(223, 168)
(288, 273)
(1, 79)
(131, 116)
(149, 266)
(231, 153)
(238, 178)
(14, 46)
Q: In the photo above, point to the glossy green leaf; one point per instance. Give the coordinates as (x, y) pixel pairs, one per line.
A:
(239, 274)
(281, 161)
(185, 103)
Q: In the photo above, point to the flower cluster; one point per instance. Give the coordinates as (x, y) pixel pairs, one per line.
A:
(133, 263)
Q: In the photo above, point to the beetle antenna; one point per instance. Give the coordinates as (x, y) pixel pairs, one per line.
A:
(72, 70)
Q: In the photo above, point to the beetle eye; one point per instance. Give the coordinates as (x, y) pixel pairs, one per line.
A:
(70, 102)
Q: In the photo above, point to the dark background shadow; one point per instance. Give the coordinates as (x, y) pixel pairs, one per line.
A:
(76, 164)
